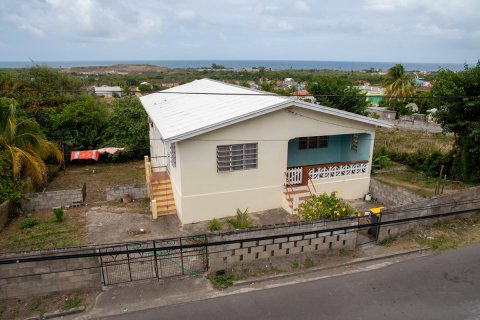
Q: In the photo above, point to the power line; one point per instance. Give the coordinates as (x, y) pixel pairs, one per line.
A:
(263, 93)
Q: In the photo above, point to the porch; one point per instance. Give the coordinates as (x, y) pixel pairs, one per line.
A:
(324, 157)
(302, 174)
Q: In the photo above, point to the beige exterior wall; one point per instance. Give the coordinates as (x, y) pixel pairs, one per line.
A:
(202, 193)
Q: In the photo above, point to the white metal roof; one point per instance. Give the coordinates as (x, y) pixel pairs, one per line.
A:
(204, 105)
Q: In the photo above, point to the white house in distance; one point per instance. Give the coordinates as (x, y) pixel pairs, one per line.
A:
(216, 147)
(107, 91)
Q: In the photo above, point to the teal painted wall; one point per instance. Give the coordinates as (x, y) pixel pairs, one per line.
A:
(338, 151)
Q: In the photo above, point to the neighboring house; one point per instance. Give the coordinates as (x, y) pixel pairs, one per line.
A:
(383, 113)
(374, 94)
(303, 95)
(107, 91)
(220, 147)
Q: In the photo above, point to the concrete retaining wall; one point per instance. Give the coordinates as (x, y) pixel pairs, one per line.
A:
(52, 199)
(51, 276)
(468, 199)
(392, 195)
(230, 255)
(417, 125)
(4, 211)
(135, 190)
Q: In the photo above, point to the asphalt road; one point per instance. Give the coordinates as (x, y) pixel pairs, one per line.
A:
(445, 286)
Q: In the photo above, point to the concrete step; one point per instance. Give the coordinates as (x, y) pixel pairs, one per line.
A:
(296, 191)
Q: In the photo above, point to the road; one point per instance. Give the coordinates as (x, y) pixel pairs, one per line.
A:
(445, 286)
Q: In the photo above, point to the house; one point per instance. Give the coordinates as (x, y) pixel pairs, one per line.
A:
(383, 113)
(216, 147)
(108, 91)
(303, 95)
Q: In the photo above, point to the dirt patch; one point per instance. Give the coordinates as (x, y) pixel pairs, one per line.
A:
(98, 176)
(120, 222)
(37, 306)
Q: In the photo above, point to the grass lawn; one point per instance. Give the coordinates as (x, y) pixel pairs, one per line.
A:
(415, 181)
(36, 306)
(411, 141)
(98, 176)
(441, 236)
(46, 234)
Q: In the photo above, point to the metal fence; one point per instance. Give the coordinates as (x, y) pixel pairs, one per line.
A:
(119, 267)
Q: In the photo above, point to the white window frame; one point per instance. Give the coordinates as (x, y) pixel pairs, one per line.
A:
(236, 157)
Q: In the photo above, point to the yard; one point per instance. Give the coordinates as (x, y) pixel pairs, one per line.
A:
(415, 181)
(407, 141)
(75, 227)
(410, 141)
(98, 176)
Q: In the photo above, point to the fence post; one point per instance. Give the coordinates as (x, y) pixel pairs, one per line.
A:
(181, 256)
(155, 257)
(128, 261)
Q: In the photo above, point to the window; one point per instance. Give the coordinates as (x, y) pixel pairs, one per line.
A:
(237, 157)
(354, 145)
(173, 155)
(313, 142)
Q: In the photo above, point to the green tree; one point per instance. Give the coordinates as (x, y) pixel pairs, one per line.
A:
(127, 126)
(338, 93)
(25, 145)
(460, 115)
(80, 124)
(398, 83)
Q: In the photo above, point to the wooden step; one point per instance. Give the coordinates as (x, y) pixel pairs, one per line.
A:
(161, 193)
(163, 197)
(161, 182)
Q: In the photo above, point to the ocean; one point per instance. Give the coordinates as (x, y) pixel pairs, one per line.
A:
(269, 64)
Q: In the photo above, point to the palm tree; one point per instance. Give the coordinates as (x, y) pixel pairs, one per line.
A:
(25, 144)
(398, 83)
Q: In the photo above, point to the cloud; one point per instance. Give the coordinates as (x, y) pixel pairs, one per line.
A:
(83, 20)
(301, 6)
(185, 15)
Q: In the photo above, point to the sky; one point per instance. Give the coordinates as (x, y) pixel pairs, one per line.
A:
(335, 30)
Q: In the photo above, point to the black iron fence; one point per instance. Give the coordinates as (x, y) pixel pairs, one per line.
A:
(153, 259)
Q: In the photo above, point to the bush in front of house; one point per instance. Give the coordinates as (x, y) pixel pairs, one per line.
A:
(214, 225)
(325, 206)
(241, 220)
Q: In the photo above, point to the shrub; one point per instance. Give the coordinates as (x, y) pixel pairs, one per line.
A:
(241, 220)
(214, 225)
(326, 207)
(380, 159)
(27, 223)
(58, 213)
(221, 281)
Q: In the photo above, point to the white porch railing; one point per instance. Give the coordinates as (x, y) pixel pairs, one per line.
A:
(294, 176)
(348, 169)
(300, 175)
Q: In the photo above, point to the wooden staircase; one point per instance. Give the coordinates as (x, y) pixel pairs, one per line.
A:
(163, 194)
